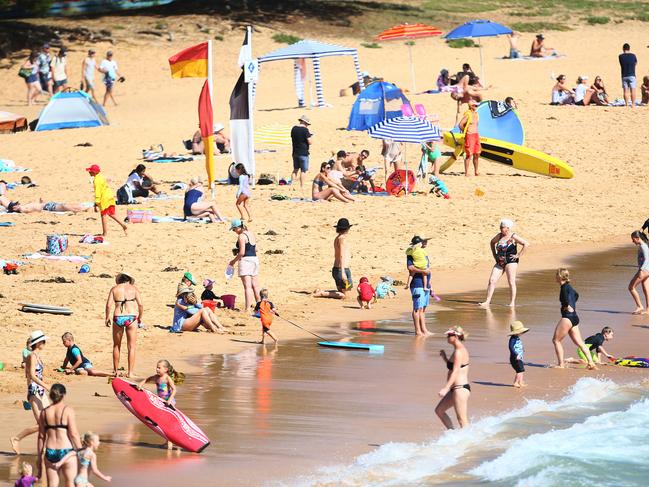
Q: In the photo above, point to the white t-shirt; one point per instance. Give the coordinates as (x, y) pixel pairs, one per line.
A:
(580, 92)
(109, 68)
(58, 68)
(132, 179)
(89, 72)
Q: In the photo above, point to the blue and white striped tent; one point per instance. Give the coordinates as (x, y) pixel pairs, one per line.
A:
(71, 109)
(314, 50)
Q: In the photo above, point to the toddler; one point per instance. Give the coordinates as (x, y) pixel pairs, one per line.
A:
(366, 294)
(267, 311)
(26, 478)
(516, 352)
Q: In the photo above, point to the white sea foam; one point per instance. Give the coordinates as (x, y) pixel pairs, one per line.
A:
(531, 457)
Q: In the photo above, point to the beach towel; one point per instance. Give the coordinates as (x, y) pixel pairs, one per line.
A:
(7, 165)
(164, 196)
(68, 258)
(531, 58)
(165, 159)
(179, 219)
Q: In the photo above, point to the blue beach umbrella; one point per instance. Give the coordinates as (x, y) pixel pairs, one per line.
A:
(477, 29)
(405, 129)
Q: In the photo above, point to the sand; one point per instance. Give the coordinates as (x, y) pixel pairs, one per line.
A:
(601, 205)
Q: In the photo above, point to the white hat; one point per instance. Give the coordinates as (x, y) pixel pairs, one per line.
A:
(37, 336)
(218, 127)
(584, 76)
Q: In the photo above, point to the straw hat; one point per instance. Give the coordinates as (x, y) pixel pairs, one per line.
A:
(457, 331)
(304, 119)
(517, 328)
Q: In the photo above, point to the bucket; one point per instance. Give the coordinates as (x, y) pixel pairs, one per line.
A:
(228, 300)
(56, 244)
(209, 303)
(139, 216)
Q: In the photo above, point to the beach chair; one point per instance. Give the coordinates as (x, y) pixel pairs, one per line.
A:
(406, 110)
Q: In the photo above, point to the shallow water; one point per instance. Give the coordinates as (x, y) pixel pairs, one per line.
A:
(301, 415)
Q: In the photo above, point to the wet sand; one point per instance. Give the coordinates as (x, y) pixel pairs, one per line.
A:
(277, 413)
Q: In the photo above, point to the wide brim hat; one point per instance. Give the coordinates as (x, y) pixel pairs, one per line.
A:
(184, 290)
(37, 336)
(343, 224)
(304, 119)
(517, 328)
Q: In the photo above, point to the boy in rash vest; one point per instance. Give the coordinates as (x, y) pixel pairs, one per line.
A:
(267, 311)
(594, 344)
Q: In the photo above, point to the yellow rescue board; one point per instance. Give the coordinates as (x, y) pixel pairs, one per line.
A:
(517, 156)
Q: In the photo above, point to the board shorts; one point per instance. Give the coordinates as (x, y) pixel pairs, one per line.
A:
(84, 366)
(517, 364)
(472, 144)
(124, 321)
(594, 355)
(50, 206)
(301, 163)
(420, 298)
(110, 211)
(109, 82)
(249, 266)
(337, 274)
(629, 82)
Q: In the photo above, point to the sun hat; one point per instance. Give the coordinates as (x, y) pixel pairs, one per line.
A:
(540, 36)
(109, 53)
(386, 279)
(189, 277)
(125, 273)
(207, 282)
(517, 328)
(417, 240)
(343, 224)
(305, 119)
(457, 331)
(91, 51)
(94, 168)
(184, 290)
(236, 223)
(37, 336)
(218, 127)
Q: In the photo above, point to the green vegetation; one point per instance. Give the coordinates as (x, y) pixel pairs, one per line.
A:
(595, 20)
(459, 43)
(286, 38)
(643, 17)
(371, 45)
(538, 26)
(218, 37)
(160, 25)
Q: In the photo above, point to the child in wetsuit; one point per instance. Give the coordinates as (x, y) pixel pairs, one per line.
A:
(516, 352)
(165, 379)
(594, 344)
(267, 312)
(75, 362)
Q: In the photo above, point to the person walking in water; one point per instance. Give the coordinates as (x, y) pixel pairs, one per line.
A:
(642, 274)
(569, 322)
(469, 127)
(455, 393)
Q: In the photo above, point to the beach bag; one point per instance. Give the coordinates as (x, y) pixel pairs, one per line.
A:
(24, 73)
(56, 244)
(125, 196)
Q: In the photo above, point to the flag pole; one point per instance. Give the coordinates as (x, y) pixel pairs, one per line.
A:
(251, 111)
(211, 89)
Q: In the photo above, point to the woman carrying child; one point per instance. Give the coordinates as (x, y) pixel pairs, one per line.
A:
(504, 247)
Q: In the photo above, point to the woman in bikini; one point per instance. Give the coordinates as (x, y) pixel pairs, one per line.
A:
(569, 322)
(36, 387)
(125, 307)
(333, 188)
(561, 94)
(57, 437)
(504, 247)
(457, 390)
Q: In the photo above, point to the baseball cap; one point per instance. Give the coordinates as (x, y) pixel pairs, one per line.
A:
(93, 168)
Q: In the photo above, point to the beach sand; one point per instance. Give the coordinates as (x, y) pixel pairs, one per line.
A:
(594, 210)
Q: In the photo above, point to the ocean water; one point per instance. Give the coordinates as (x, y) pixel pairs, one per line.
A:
(595, 435)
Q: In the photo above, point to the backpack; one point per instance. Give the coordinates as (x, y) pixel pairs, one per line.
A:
(125, 196)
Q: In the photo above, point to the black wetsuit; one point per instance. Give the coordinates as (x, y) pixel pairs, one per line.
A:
(568, 297)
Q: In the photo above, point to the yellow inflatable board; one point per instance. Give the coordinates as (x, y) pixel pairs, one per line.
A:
(517, 156)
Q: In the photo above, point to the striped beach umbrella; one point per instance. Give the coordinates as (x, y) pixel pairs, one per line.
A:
(406, 129)
(409, 32)
(273, 135)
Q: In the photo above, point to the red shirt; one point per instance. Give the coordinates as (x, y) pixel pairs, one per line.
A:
(365, 291)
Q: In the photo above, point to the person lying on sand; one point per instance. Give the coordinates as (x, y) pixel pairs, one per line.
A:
(17, 207)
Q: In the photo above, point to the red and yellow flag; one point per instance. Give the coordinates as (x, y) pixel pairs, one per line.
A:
(206, 125)
(190, 62)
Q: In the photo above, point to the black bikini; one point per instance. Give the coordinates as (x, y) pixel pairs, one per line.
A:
(449, 366)
(121, 306)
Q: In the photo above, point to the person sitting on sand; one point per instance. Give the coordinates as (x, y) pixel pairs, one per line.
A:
(443, 80)
(221, 141)
(189, 314)
(456, 392)
(75, 362)
(208, 293)
(140, 184)
(342, 166)
(561, 94)
(644, 90)
(594, 344)
(539, 49)
(333, 189)
(583, 95)
(569, 322)
(600, 97)
(17, 207)
(514, 53)
(195, 208)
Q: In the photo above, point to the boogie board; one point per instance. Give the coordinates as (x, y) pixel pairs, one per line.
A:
(354, 346)
(633, 362)
(165, 420)
(517, 156)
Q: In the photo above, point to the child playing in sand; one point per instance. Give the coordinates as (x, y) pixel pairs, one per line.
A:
(385, 289)
(594, 344)
(104, 199)
(208, 293)
(165, 379)
(267, 311)
(363, 176)
(420, 261)
(366, 294)
(75, 362)
(439, 188)
(87, 461)
(26, 478)
(244, 192)
(516, 352)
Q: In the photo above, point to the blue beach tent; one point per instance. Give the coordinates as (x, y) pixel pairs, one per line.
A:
(372, 105)
(71, 109)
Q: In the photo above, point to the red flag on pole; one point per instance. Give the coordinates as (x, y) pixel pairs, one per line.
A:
(206, 124)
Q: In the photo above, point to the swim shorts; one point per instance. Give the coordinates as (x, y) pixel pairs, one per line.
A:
(472, 144)
(629, 82)
(109, 82)
(420, 298)
(301, 163)
(124, 321)
(517, 364)
(110, 211)
(593, 353)
(336, 273)
(249, 266)
(84, 366)
(50, 206)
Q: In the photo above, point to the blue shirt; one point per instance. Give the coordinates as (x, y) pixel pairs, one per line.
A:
(417, 279)
(516, 347)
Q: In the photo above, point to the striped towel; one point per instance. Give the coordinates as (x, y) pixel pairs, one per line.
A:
(273, 135)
